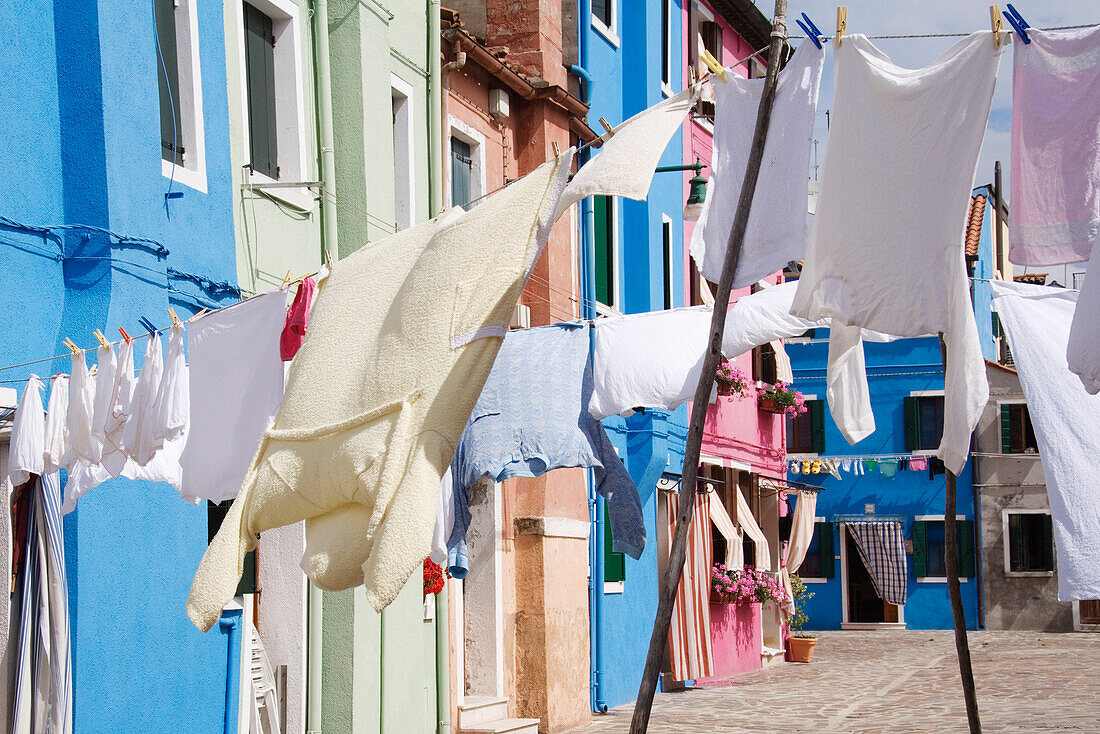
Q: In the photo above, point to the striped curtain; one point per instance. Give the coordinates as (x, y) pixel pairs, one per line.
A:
(689, 634)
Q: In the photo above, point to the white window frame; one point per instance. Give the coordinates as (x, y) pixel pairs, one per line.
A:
(943, 519)
(1007, 547)
(476, 140)
(695, 47)
(616, 264)
(818, 579)
(286, 25)
(192, 134)
(668, 251)
(404, 153)
(610, 34)
(666, 84)
(927, 452)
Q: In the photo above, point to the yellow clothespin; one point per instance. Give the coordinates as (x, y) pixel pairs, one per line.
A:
(72, 347)
(713, 65)
(606, 126)
(286, 281)
(200, 313)
(175, 319)
(841, 22)
(997, 24)
(101, 339)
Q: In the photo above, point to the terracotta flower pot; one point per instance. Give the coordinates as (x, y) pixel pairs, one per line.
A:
(725, 387)
(720, 597)
(771, 405)
(802, 649)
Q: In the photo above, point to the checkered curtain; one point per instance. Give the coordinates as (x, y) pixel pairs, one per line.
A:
(689, 634)
(883, 552)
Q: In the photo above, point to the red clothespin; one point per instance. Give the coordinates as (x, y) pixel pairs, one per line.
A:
(125, 336)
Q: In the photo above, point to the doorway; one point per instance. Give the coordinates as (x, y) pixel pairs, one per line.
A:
(863, 607)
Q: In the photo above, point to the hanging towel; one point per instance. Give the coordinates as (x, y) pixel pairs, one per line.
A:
(625, 163)
(27, 444)
(297, 320)
(106, 369)
(888, 467)
(882, 549)
(1083, 345)
(376, 399)
(78, 421)
(57, 455)
(172, 407)
(1067, 426)
(927, 123)
(530, 420)
(235, 380)
(137, 435)
(689, 643)
(1055, 138)
(918, 463)
(776, 232)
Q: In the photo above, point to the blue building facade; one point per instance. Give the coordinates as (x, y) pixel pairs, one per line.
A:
(85, 144)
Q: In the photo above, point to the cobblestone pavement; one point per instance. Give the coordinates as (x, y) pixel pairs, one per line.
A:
(896, 681)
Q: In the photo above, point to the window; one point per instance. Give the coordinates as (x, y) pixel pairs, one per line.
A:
(179, 91)
(1029, 542)
(605, 18)
(1017, 435)
(929, 540)
(819, 562)
(669, 279)
(467, 166)
(614, 564)
(702, 291)
(710, 36)
(806, 432)
(215, 514)
(259, 55)
(763, 364)
(666, 45)
(404, 193)
(461, 172)
(605, 256)
(923, 422)
(1078, 280)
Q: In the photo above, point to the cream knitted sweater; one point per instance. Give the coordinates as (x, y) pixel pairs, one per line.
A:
(376, 399)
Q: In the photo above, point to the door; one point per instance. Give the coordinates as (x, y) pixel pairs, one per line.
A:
(864, 605)
(1090, 611)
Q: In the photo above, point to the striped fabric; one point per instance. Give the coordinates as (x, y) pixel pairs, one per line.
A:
(689, 634)
(43, 673)
(883, 552)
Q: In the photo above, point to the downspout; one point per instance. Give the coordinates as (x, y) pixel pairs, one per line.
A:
(330, 248)
(230, 625)
(435, 197)
(979, 545)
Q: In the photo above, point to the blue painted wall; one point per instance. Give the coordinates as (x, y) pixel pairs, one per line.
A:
(985, 269)
(80, 112)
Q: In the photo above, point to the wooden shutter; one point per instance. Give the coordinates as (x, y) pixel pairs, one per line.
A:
(996, 323)
(1048, 543)
(966, 548)
(920, 548)
(1006, 429)
(1015, 540)
(614, 564)
(911, 411)
(825, 548)
(461, 170)
(816, 414)
(259, 55)
(168, 81)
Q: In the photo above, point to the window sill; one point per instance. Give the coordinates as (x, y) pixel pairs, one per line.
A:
(704, 125)
(666, 90)
(301, 199)
(608, 34)
(613, 587)
(924, 452)
(1029, 574)
(1020, 454)
(939, 580)
(189, 177)
(605, 310)
(815, 581)
(872, 625)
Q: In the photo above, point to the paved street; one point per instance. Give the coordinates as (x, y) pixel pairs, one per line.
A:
(896, 681)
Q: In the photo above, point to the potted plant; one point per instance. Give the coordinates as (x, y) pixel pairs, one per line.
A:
(745, 586)
(732, 381)
(802, 643)
(723, 584)
(783, 399)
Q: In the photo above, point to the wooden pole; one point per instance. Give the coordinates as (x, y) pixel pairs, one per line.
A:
(667, 593)
(951, 561)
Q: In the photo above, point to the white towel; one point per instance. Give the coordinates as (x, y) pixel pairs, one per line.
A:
(776, 232)
(885, 250)
(1055, 146)
(1067, 426)
(137, 434)
(27, 445)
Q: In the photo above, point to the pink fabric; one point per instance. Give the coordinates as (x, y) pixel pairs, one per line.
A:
(1055, 147)
(918, 463)
(297, 319)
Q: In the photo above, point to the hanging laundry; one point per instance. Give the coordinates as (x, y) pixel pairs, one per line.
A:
(882, 549)
(1055, 135)
(928, 123)
(57, 454)
(624, 164)
(106, 369)
(530, 420)
(78, 421)
(776, 232)
(815, 466)
(137, 435)
(444, 521)
(846, 465)
(857, 467)
(796, 467)
(297, 320)
(172, 407)
(235, 384)
(377, 397)
(831, 466)
(807, 465)
(888, 467)
(870, 464)
(1066, 420)
(918, 463)
(27, 444)
(122, 396)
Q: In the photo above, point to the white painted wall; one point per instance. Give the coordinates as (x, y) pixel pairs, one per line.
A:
(282, 617)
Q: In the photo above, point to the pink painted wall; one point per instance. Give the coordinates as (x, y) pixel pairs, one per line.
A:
(735, 636)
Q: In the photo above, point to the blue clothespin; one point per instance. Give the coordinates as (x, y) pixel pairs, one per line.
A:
(811, 30)
(148, 326)
(1012, 15)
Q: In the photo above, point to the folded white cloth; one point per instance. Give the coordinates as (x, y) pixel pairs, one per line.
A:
(27, 445)
(137, 435)
(776, 232)
(1055, 146)
(1066, 420)
(890, 257)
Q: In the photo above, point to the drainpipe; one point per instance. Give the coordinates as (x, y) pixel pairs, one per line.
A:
(230, 625)
(979, 561)
(323, 70)
(442, 664)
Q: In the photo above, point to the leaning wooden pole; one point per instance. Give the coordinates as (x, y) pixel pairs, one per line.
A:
(671, 580)
(951, 561)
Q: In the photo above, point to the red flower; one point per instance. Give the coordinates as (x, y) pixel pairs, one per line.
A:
(434, 577)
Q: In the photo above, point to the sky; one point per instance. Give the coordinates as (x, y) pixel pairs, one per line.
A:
(894, 17)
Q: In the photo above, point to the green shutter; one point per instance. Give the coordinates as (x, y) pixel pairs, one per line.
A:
(920, 549)
(911, 408)
(1015, 542)
(603, 249)
(168, 81)
(259, 47)
(1006, 429)
(996, 323)
(614, 564)
(817, 425)
(461, 169)
(1048, 543)
(966, 548)
(825, 548)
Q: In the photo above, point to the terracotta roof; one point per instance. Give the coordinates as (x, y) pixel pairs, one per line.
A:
(1033, 278)
(974, 224)
(998, 365)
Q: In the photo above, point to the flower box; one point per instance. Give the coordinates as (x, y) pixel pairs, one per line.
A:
(771, 405)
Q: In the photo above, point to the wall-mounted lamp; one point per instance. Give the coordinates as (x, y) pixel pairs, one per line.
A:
(697, 191)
